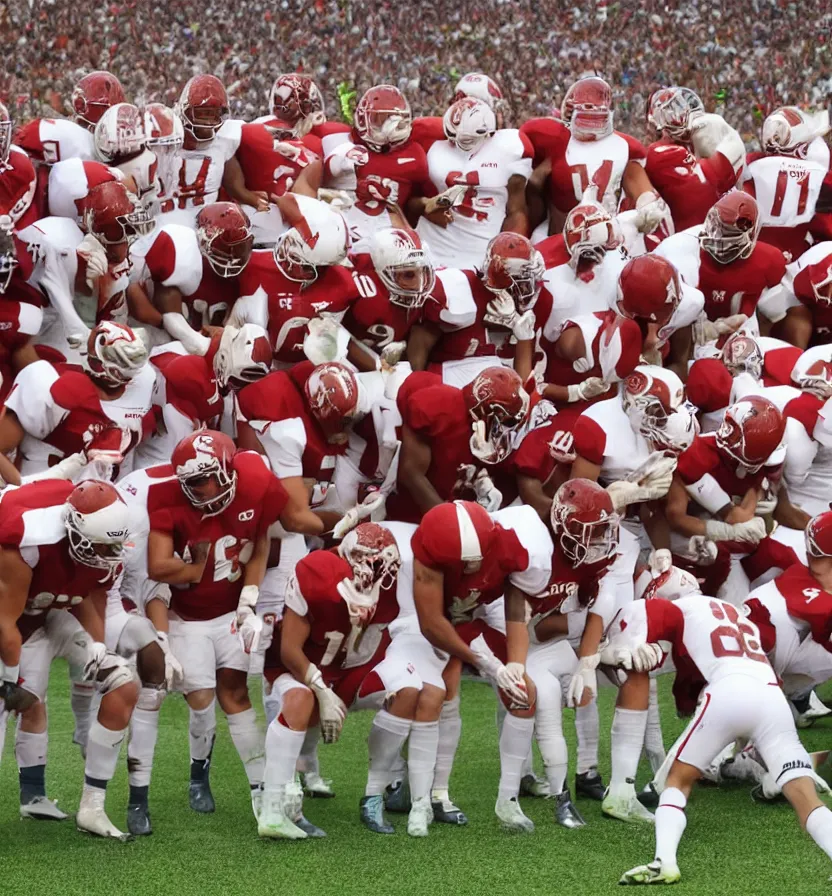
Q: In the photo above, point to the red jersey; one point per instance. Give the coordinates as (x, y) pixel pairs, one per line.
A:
(190, 386)
(571, 588)
(18, 184)
(258, 501)
(689, 186)
(807, 601)
(19, 323)
(427, 131)
(266, 169)
(704, 458)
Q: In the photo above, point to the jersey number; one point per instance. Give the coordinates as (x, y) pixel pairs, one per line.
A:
(373, 193)
(362, 644)
(783, 179)
(467, 208)
(229, 557)
(735, 638)
(601, 178)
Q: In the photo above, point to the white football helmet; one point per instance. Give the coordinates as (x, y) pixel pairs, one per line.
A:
(6, 129)
(317, 238)
(403, 265)
(115, 354)
(373, 554)
(162, 127)
(119, 132)
(480, 87)
(788, 131)
(468, 123)
(244, 356)
(650, 395)
(97, 524)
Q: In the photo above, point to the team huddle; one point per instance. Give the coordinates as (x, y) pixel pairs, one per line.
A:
(355, 407)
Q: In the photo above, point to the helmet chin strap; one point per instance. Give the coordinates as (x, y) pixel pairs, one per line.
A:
(360, 605)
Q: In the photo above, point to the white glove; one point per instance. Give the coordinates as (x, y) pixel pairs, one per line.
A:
(480, 446)
(583, 679)
(488, 495)
(705, 331)
(646, 657)
(67, 469)
(78, 341)
(703, 551)
(246, 604)
(648, 482)
(488, 665)
(95, 256)
(767, 501)
(320, 344)
(660, 561)
(101, 448)
(451, 197)
(250, 631)
(512, 679)
(590, 388)
(345, 163)
(370, 505)
(752, 532)
(392, 353)
(331, 708)
(652, 210)
(338, 199)
(173, 668)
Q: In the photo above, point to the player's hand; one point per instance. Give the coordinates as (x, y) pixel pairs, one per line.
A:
(511, 678)
(331, 708)
(372, 505)
(591, 387)
(583, 686)
(646, 657)
(260, 200)
(391, 354)
(16, 698)
(488, 495)
(441, 217)
(446, 200)
(95, 257)
(250, 632)
(660, 561)
(95, 657)
(173, 668)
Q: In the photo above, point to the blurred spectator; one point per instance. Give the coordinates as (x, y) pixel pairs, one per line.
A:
(743, 56)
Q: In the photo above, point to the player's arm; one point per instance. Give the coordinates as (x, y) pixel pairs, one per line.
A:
(552, 626)
(517, 212)
(517, 632)
(156, 610)
(414, 462)
(680, 352)
(364, 360)
(255, 569)
(309, 181)
(428, 596)
(533, 493)
(585, 469)
(536, 194)
(294, 630)
(91, 612)
(655, 524)
(797, 327)
(11, 432)
(164, 566)
(524, 358)
(15, 579)
(787, 514)
(234, 183)
(635, 180)
(676, 510)
(168, 300)
(141, 308)
(420, 343)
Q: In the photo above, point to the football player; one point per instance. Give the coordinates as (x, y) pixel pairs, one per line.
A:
(18, 181)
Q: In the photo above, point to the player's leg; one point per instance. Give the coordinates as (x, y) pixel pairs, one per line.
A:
(450, 731)
(422, 747)
(191, 643)
(653, 740)
(283, 798)
(628, 727)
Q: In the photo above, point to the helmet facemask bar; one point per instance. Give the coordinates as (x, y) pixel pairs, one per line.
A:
(107, 555)
(8, 257)
(420, 275)
(387, 129)
(726, 242)
(291, 260)
(230, 260)
(586, 543)
(500, 428)
(6, 128)
(673, 115)
(192, 481)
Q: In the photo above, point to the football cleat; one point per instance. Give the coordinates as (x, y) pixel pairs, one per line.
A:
(420, 817)
(649, 797)
(257, 800)
(397, 797)
(92, 818)
(444, 810)
(371, 810)
(312, 831)
(315, 786)
(512, 817)
(200, 797)
(531, 785)
(654, 873)
(566, 815)
(277, 811)
(809, 709)
(624, 805)
(590, 784)
(41, 808)
(138, 820)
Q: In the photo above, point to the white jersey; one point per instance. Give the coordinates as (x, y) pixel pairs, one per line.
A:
(481, 213)
(534, 535)
(787, 189)
(70, 183)
(573, 296)
(608, 426)
(54, 140)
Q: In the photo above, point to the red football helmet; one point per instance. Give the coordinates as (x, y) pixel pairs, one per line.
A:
(402, 265)
(453, 532)
(819, 535)
(513, 265)
(751, 431)
(731, 227)
(203, 462)
(225, 238)
(741, 354)
(498, 404)
(650, 395)
(672, 110)
(203, 107)
(819, 275)
(115, 354)
(119, 133)
(382, 118)
(243, 356)
(113, 216)
(587, 109)
(584, 522)
(481, 87)
(296, 99)
(816, 379)
(589, 233)
(93, 96)
(8, 253)
(332, 395)
(97, 524)
(787, 132)
(649, 290)
(373, 555)
(162, 127)
(6, 128)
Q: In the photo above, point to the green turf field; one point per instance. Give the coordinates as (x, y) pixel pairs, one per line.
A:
(731, 845)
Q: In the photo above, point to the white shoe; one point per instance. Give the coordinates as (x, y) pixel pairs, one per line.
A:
(713, 772)
(623, 804)
(420, 817)
(316, 786)
(512, 816)
(278, 810)
(654, 873)
(42, 808)
(92, 818)
(257, 801)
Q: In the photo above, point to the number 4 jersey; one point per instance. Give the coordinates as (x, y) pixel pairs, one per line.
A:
(258, 501)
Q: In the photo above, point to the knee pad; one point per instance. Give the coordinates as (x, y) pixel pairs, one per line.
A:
(151, 698)
(137, 633)
(112, 672)
(78, 653)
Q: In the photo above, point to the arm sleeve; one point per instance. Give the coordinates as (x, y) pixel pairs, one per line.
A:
(589, 440)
